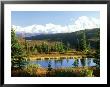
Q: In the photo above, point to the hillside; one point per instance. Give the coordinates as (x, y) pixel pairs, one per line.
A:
(72, 38)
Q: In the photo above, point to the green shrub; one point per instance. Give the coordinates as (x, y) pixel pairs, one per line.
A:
(31, 69)
(87, 73)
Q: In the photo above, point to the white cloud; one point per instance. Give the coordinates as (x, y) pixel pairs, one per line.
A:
(81, 23)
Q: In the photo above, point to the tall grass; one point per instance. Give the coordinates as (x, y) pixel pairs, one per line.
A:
(36, 71)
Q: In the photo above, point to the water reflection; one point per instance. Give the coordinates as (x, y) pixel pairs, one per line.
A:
(58, 63)
(83, 62)
(75, 63)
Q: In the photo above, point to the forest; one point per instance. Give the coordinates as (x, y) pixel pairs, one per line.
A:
(55, 47)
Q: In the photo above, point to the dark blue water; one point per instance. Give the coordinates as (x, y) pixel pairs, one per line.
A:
(61, 63)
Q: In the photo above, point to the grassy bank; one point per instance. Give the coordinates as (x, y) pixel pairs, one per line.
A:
(59, 72)
(59, 55)
(55, 56)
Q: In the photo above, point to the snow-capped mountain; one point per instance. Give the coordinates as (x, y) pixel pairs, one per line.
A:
(80, 23)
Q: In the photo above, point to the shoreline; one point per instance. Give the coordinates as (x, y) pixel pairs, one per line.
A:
(55, 56)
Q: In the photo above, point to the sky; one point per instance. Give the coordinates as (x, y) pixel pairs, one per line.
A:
(54, 21)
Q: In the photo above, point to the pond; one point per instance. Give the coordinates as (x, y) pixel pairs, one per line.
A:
(63, 63)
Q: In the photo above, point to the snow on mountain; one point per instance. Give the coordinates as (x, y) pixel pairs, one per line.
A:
(84, 22)
(81, 23)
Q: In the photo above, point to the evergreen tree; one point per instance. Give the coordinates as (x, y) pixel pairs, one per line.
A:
(61, 47)
(68, 46)
(17, 52)
(56, 47)
(77, 48)
(75, 64)
(97, 54)
(83, 42)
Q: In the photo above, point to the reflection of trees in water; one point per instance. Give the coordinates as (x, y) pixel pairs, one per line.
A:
(79, 62)
(49, 66)
(58, 61)
(61, 62)
(55, 63)
(67, 60)
(83, 62)
(97, 61)
(89, 61)
(86, 61)
(75, 63)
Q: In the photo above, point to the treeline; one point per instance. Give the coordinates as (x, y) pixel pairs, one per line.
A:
(82, 45)
(71, 38)
(46, 48)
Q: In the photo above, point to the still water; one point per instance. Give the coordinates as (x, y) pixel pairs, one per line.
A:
(61, 63)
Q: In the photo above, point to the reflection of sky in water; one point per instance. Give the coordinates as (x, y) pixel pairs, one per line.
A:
(65, 62)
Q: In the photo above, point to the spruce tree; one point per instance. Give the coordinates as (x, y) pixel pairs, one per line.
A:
(83, 44)
(17, 53)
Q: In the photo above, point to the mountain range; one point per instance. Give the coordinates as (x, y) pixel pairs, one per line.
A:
(80, 23)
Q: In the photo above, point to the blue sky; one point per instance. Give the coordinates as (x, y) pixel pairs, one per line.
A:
(27, 18)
